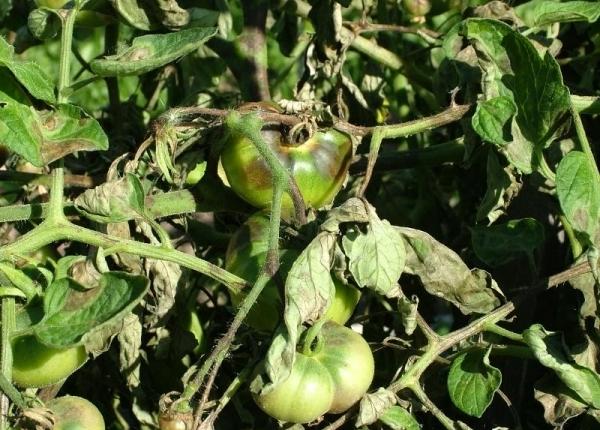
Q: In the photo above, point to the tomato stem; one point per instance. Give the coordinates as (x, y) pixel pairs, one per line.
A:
(313, 340)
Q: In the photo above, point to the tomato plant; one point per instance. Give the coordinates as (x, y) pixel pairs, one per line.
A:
(37, 365)
(246, 254)
(329, 377)
(318, 164)
(75, 413)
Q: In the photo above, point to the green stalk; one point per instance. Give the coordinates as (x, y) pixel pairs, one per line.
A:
(8, 325)
(57, 194)
(64, 230)
(501, 331)
(66, 40)
(250, 127)
(584, 143)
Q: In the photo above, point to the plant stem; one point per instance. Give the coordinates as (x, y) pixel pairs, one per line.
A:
(47, 233)
(444, 420)
(501, 331)
(66, 40)
(8, 325)
(584, 143)
(576, 247)
(55, 209)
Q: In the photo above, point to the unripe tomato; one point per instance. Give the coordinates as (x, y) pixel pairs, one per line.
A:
(75, 413)
(304, 396)
(318, 165)
(37, 365)
(245, 257)
(330, 377)
(349, 360)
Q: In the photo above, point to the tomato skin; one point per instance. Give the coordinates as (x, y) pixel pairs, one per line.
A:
(349, 360)
(75, 413)
(37, 365)
(318, 165)
(304, 396)
(246, 254)
(341, 362)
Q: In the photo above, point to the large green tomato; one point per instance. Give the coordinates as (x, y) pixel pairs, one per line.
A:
(75, 413)
(304, 396)
(319, 166)
(245, 257)
(349, 360)
(331, 377)
(37, 365)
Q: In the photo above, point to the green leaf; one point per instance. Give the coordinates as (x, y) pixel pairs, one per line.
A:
(501, 243)
(41, 137)
(444, 275)
(11, 91)
(578, 191)
(502, 187)
(549, 350)
(513, 68)
(376, 256)
(472, 382)
(71, 310)
(28, 73)
(152, 51)
(492, 119)
(398, 418)
(539, 13)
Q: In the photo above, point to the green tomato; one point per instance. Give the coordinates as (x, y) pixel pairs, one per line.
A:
(75, 413)
(331, 377)
(245, 257)
(37, 365)
(349, 360)
(319, 166)
(304, 396)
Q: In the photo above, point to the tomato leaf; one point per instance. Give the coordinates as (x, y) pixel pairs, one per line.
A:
(558, 400)
(152, 51)
(513, 69)
(500, 243)
(114, 201)
(398, 418)
(41, 137)
(445, 275)
(130, 346)
(549, 350)
(28, 73)
(472, 381)
(502, 187)
(374, 405)
(376, 257)
(71, 310)
(578, 191)
(135, 13)
(540, 13)
(492, 119)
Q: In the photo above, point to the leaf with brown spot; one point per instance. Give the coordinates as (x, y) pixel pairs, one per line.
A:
(41, 137)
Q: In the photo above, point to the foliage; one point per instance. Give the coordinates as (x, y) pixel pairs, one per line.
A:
(423, 171)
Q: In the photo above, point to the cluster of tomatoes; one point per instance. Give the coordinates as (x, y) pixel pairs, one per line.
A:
(333, 370)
